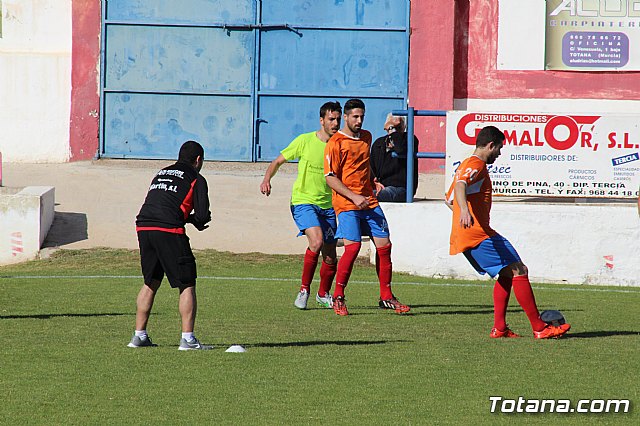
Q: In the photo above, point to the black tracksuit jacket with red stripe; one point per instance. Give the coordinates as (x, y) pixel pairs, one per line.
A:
(174, 193)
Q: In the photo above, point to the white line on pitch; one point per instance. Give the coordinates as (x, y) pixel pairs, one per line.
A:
(95, 277)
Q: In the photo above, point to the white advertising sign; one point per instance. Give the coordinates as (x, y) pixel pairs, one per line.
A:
(553, 155)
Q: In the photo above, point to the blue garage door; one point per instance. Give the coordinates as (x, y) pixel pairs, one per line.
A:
(173, 71)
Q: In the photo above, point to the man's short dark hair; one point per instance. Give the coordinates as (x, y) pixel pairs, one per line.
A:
(489, 134)
(353, 104)
(330, 106)
(189, 152)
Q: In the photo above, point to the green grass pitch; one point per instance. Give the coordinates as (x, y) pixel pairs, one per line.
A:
(65, 322)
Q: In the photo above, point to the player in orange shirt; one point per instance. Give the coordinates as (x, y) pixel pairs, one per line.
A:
(348, 174)
(488, 252)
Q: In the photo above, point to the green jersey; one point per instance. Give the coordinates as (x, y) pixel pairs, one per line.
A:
(310, 186)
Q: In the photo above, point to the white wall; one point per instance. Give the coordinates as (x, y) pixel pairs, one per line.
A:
(35, 80)
(26, 216)
(559, 242)
(521, 34)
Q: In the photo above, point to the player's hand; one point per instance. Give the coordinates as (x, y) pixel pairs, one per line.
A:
(265, 188)
(361, 201)
(200, 227)
(466, 220)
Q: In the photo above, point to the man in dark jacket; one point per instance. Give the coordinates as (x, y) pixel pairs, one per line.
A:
(177, 195)
(391, 173)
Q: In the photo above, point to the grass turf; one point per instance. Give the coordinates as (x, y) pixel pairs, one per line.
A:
(64, 358)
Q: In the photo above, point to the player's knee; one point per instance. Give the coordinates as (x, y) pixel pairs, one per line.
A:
(315, 245)
(189, 287)
(153, 285)
(330, 259)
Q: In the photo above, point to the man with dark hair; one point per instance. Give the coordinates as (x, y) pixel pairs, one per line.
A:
(348, 173)
(311, 203)
(389, 172)
(177, 195)
(489, 252)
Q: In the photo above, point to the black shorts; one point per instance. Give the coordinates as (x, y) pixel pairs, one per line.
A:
(167, 253)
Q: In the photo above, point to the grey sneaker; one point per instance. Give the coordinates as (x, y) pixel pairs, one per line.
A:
(301, 300)
(325, 301)
(140, 342)
(192, 345)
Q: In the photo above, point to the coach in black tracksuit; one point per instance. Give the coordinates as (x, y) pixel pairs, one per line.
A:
(177, 195)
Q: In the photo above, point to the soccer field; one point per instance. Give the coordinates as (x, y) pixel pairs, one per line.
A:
(65, 323)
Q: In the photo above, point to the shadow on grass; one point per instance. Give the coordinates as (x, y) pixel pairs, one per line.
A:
(453, 306)
(323, 343)
(460, 312)
(603, 333)
(49, 316)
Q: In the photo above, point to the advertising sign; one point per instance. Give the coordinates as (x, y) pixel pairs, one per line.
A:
(553, 155)
(593, 35)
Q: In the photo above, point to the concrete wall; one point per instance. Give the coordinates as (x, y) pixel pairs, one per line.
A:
(35, 81)
(483, 74)
(469, 55)
(431, 73)
(26, 216)
(488, 55)
(560, 243)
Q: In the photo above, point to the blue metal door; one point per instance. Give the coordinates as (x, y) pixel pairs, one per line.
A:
(330, 50)
(173, 71)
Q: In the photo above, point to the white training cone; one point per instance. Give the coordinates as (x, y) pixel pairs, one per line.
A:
(236, 349)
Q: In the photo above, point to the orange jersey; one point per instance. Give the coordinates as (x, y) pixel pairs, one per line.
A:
(473, 172)
(347, 158)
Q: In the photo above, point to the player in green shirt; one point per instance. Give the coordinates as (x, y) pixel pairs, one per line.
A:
(311, 203)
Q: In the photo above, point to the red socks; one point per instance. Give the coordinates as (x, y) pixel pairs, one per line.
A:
(308, 269)
(327, 273)
(345, 266)
(501, 293)
(384, 270)
(524, 294)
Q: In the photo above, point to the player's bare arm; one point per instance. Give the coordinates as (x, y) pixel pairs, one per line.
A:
(265, 186)
(336, 184)
(448, 204)
(460, 190)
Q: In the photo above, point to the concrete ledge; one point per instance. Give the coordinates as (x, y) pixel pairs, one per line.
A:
(559, 242)
(26, 214)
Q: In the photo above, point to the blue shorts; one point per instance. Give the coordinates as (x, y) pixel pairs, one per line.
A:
(491, 255)
(353, 224)
(309, 215)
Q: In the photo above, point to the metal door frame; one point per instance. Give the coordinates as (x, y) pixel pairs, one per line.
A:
(255, 93)
(103, 66)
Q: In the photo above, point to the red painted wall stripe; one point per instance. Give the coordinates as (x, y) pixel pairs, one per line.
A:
(85, 98)
(431, 73)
